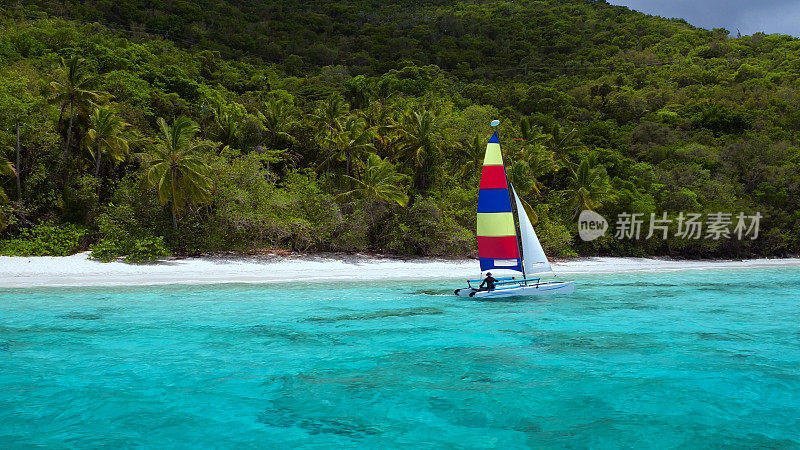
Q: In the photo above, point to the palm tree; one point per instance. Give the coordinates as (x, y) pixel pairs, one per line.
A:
(422, 137)
(381, 118)
(532, 134)
(354, 137)
(328, 117)
(380, 182)
(279, 119)
(73, 91)
(529, 169)
(473, 153)
(541, 163)
(178, 171)
(588, 187)
(228, 127)
(563, 142)
(106, 135)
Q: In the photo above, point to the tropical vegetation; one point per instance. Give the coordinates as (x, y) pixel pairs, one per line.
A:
(143, 129)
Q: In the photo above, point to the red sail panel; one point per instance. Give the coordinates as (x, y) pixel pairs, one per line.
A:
(493, 177)
(498, 247)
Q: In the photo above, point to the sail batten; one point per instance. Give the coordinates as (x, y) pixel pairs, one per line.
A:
(497, 238)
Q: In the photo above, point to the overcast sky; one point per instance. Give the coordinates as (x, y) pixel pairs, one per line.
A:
(748, 16)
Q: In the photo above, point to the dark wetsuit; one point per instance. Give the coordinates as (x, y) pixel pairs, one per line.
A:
(489, 282)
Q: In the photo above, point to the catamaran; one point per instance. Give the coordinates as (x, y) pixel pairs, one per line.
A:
(500, 247)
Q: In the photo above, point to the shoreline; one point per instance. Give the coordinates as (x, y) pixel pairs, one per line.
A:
(79, 270)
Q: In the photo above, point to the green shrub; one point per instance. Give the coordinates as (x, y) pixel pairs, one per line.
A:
(425, 230)
(106, 250)
(135, 250)
(123, 236)
(46, 239)
(554, 236)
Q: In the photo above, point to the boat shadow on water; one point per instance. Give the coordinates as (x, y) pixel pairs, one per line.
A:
(514, 299)
(434, 292)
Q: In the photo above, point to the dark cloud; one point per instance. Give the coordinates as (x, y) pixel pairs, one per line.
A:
(748, 16)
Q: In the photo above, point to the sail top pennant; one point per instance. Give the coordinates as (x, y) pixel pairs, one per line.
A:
(498, 247)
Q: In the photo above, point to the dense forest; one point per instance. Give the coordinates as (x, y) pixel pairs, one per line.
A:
(141, 129)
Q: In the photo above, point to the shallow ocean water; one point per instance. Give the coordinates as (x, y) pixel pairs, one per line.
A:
(646, 360)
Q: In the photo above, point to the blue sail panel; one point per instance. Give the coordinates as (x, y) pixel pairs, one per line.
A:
(494, 264)
(493, 200)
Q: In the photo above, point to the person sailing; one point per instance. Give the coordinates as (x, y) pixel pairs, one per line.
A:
(489, 281)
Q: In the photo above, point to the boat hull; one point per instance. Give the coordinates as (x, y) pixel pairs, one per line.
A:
(531, 290)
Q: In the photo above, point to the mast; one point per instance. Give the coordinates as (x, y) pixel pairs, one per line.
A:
(518, 225)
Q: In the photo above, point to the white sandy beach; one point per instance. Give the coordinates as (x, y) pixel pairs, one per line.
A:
(79, 270)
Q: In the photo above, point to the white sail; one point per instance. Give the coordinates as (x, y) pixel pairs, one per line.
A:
(533, 258)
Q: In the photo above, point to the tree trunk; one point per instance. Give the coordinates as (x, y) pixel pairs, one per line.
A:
(347, 154)
(97, 166)
(69, 128)
(61, 115)
(174, 205)
(19, 168)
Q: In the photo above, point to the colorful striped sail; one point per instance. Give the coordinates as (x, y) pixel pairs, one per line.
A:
(498, 247)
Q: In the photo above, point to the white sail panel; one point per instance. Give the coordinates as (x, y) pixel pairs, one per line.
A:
(533, 258)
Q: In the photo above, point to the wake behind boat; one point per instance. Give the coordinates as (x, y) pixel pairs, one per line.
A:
(500, 247)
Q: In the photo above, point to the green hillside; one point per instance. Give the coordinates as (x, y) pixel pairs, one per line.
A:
(372, 37)
(360, 126)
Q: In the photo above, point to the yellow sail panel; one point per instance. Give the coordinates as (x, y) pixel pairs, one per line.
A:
(493, 156)
(496, 224)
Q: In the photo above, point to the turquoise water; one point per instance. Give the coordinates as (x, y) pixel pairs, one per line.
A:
(682, 359)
